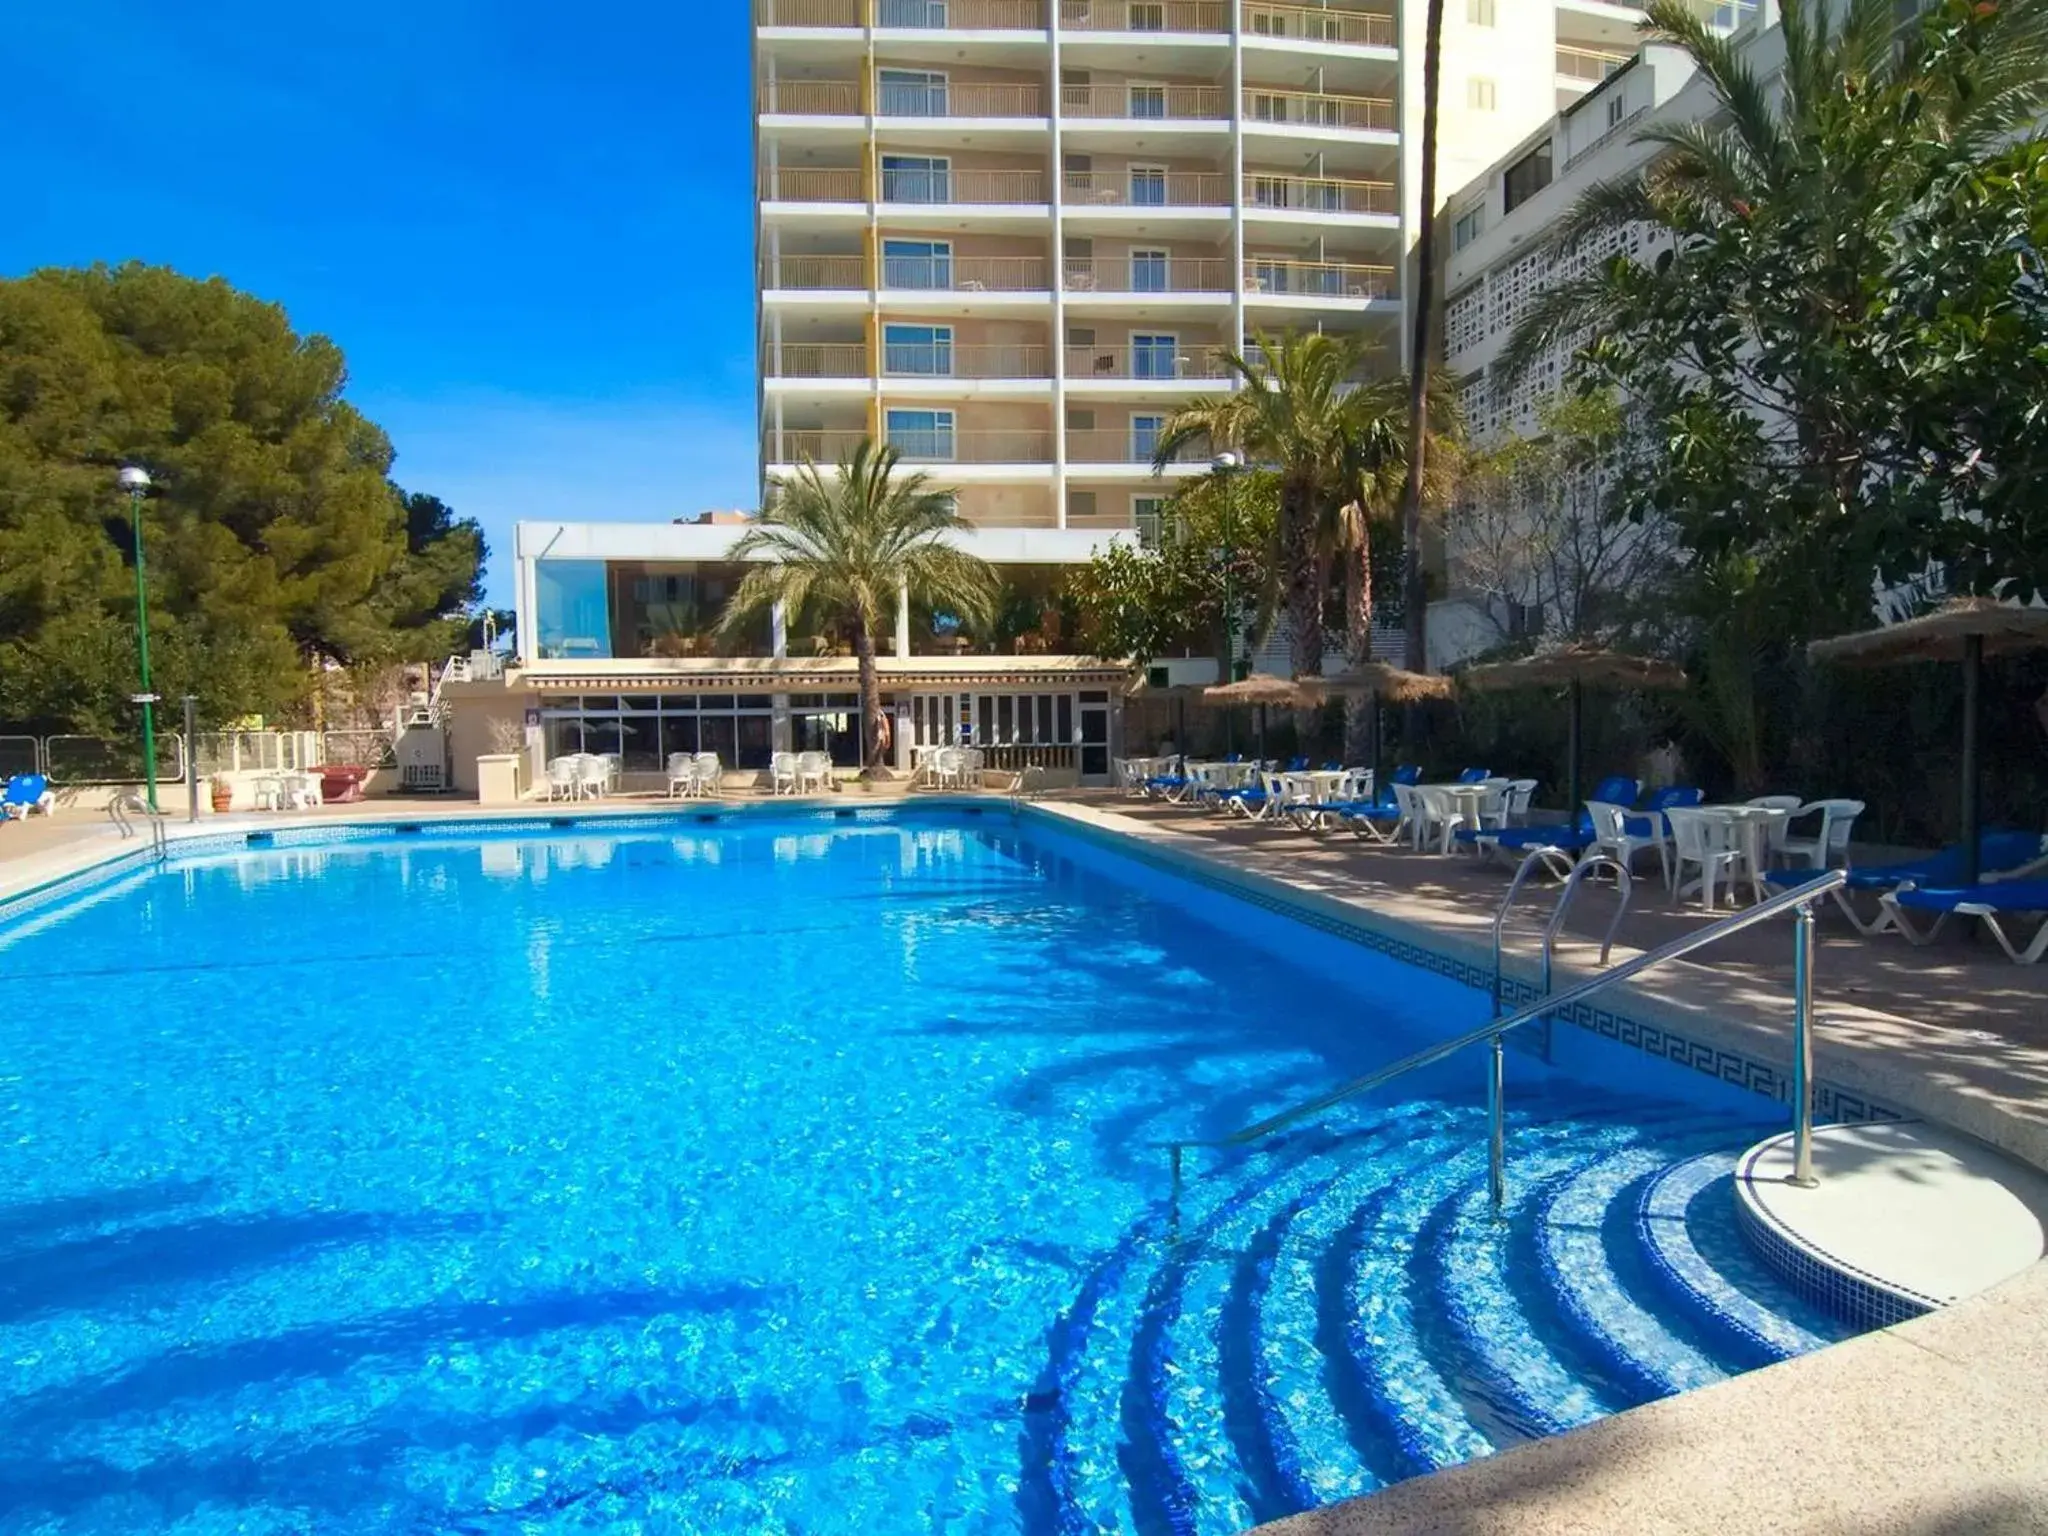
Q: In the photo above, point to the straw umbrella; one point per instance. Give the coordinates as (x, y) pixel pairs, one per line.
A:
(1261, 689)
(1378, 681)
(1966, 629)
(1573, 667)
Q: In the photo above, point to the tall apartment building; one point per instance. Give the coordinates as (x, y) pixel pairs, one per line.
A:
(1011, 236)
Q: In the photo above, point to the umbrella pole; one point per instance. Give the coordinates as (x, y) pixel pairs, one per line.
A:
(1973, 668)
(1262, 733)
(1577, 713)
(1180, 725)
(1372, 705)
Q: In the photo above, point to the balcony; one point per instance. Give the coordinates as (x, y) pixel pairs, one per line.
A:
(1320, 194)
(1591, 65)
(812, 13)
(1146, 189)
(1210, 16)
(950, 99)
(1146, 103)
(815, 274)
(966, 274)
(1126, 445)
(1148, 274)
(812, 98)
(1318, 109)
(922, 185)
(830, 184)
(1154, 364)
(1273, 278)
(917, 360)
(1287, 23)
(962, 15)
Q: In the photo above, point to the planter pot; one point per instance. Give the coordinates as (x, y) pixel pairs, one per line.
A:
(223, 798)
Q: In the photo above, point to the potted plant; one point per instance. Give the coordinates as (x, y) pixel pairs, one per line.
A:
(223, 790)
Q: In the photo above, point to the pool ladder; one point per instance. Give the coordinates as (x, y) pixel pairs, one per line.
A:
(1799, 901)
(122, 811)
(1557, 861)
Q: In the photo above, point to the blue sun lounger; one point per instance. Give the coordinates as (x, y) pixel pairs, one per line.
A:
(1986, 902)
(1997, 853)
(1578, 836)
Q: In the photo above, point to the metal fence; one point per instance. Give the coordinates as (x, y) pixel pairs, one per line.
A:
(91, 760)
(99, 760)
(20, 754)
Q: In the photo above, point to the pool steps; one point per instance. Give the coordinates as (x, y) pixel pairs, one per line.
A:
(1342, 1310)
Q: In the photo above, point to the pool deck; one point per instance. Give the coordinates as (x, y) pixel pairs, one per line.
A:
(1939, 1425)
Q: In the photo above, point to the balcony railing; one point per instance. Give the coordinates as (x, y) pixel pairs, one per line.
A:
(827, 184)
(1369, 28)
(1146, 103)
(1125, 445)
(1318, 279)
(963, 15)
(816, 272)
(945, 446)
(1142, 274)
(818, 360)
(1147, 189)
(1145, 15)
(812, 13)
(1589, 63)
(958, 99)
(812, 98)
(966, 274)
(1141, 363)
(908, 360)
(945, 185)
(1319, 109)
(1320, 194)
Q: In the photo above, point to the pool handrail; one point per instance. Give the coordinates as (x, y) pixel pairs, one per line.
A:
(1799, 899)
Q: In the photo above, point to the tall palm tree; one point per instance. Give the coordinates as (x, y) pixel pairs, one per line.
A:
(1298, 411)
(1414, 594)
(848, 547)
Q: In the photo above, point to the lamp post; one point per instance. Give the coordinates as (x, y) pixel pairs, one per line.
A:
(135, 481)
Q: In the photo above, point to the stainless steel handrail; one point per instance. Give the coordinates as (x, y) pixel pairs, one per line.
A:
(1554, 860)
(1799, 899)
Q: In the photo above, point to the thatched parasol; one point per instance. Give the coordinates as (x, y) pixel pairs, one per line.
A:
(1261, 689)
(1573, 667)
(1380, 680)
(1965, 629)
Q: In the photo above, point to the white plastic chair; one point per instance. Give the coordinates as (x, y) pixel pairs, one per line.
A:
(782, 773)
(1774, 834)
(563, 781)
(269, 794)
(710, 774)
(682, 775)
(1611, 836)
(1837, 820)
(1708, 843)
(1435, 817)
(813, 771)
(593, 776)
(1516, 810)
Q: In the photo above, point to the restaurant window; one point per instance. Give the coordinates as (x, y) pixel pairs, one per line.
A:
(1526, 177)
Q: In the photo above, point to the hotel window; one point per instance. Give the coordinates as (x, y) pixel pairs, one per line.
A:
(574, 613)
(916, 179)
(1149, 516)
(1479, 13)
(1479, 95)
(1467, 228)
(1148, 186)
(1525, 178)
(1615, 106)
(1148, 271)
(918, 349)
(1146, 16)
(1147, 101)
(1145, 431)
(910, 93)
(925, 436)
(1154, 356)
(917, 264)
(1081, 507)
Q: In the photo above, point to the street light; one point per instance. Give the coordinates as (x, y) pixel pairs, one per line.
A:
(1225, 467)
(135, 481)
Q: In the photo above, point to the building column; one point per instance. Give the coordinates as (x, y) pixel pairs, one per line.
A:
(899, 735)
(903, 621)
(778, 631)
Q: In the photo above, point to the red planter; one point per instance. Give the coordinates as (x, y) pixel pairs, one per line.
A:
(341, 784)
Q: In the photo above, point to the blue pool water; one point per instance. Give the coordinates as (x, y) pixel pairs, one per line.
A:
(786, 1175)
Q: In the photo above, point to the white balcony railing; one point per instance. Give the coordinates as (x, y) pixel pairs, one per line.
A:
(957, 99)
(1146, 189)
(1318, 279)
(1146, 103)
(1145, 16)
(812, 98)
(962, 15)
(1320, 194)
(1315, 24)
(816, 184)
(1590, 64)
(1148, 274)
(1126, 445)
(815, 273)
(812, 13)
(1319, 109)
(966, 274)
(1160, 363)
(943, 184)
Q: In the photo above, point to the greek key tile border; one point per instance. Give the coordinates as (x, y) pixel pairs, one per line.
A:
(1830, 1103)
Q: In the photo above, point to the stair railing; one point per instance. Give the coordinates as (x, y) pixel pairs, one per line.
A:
(1798, 901)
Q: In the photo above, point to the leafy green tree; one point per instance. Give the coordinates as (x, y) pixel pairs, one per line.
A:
(845, 549)
(276, 540)
(1837, 351)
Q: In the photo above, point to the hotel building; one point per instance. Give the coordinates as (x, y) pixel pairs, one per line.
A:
(1010, 237)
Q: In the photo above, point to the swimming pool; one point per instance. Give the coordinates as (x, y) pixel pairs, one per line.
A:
(793, 1174)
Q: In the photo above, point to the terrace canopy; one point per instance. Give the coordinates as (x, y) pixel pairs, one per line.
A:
(1966, 629)
(1574, 667)
(1377, 681)
(1263, 690)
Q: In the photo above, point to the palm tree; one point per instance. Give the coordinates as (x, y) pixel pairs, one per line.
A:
(1414, 595)
(849, 548)
(1297, 410)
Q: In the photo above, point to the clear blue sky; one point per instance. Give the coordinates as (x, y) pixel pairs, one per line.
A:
(528, 225)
